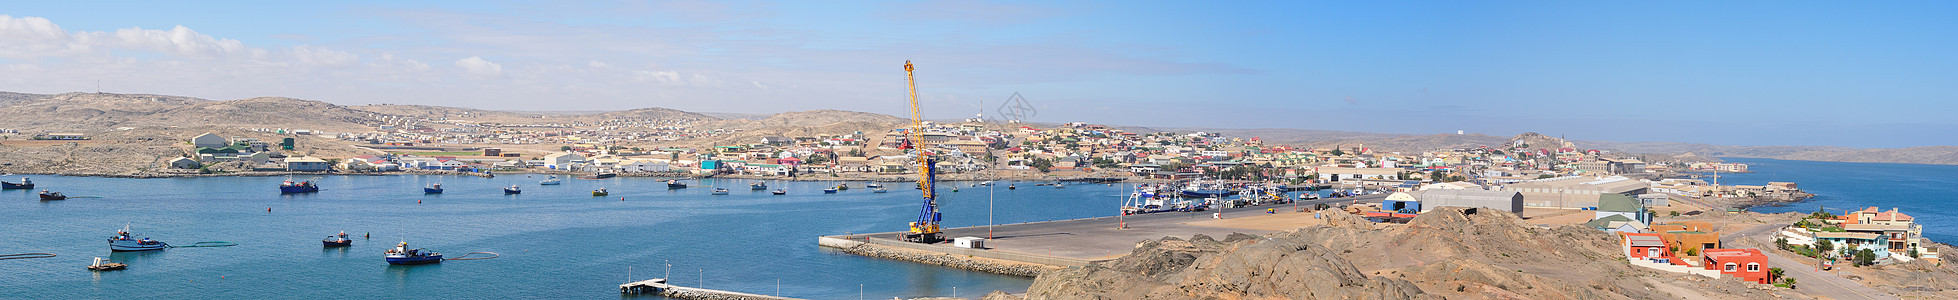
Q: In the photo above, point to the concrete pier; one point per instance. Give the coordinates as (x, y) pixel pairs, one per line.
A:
(658, 286)
(1069, 243)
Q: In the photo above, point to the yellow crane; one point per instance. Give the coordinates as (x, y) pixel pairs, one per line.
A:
(925, 230)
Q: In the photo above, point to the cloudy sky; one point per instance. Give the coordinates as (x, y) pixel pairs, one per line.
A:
(1746, 73)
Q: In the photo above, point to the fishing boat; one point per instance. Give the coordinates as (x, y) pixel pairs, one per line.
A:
(720, 191)
(553, 181)
(124, 241)
(512, 190)
(758, 186)
(24, 184)
(401, 255)
(47, 196)
(432, 189)
(780, 192)
(879, 190)
(603, 175)
(1308, 196)
(675, 184)
(600, 192)
(1141, 202)
(842, 186)
(338, 240)
(289, 187)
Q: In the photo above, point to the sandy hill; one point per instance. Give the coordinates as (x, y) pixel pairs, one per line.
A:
(651, 113)
(428, 112)
(1450, 253)
(1415, 143)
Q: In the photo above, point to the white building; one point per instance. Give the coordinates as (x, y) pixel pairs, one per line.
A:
(209, 140)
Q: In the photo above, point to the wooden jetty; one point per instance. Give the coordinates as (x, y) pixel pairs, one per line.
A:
(658, 286)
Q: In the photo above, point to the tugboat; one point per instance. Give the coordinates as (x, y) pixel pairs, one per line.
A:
(675, 184)
(24, 184)
(758, 185)
(432, 189)
(401, 255)
(780, 192)
(289, 187)
(553, 181)
(720, 192)
(105, 265)
(124, 241)
(600, 192)
(339, 240)
(512, 190)
(48, 196)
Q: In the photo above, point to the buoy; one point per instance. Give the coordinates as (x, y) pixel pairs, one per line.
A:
(418, 201)
(268, 209)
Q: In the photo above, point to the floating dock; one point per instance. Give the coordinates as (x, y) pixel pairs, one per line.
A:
(658, 286)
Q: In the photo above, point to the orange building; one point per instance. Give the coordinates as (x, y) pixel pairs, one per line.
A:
(1645, 246)
(1747, 264)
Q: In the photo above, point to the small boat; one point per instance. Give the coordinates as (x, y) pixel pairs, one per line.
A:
(1308, 196)
(432, 189)
(780, 192)
(675, 184)
(842, 186)
(104, 265)
(600, 192)
(758, 186)
(879, 190)
(338, 240)
(401, 255)
(553, 181)
(1009, 186)
(289, 187)
(873, 185)
(1059, 186)
(124, 241)
(829, 191)
(600, 176)
(47, 196)
(720, 191)
(24, 184)
(512, 190)
(987, 183)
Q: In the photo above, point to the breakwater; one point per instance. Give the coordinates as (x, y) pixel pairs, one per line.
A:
(660, 287)
(963, 262)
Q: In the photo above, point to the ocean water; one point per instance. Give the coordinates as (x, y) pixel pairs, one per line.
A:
(554, 241)
(1925, 192)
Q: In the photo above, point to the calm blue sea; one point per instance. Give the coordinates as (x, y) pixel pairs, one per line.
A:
(1925, 192)
(555, 241)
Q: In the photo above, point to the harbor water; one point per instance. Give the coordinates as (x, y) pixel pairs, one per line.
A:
(555, 241)
(1924, 192)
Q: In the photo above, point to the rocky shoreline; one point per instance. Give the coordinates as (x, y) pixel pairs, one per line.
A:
(952, 261)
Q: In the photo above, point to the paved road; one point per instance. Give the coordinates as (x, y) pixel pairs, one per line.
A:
(1809, 279)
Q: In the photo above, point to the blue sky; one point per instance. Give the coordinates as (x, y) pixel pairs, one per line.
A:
(1733, 72)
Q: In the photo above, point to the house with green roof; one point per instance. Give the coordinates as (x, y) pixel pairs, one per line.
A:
(1620, 204)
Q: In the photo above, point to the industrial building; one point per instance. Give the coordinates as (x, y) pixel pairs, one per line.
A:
(1504, 200)
(1574, 192)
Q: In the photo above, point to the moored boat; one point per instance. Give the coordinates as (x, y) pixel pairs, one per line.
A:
(104, 265)
(873, 185)
(48, 196)
(829, 191)
(553, 181)
(758, 186)
(401, 255)
(600, 176)
(512, 190)
(23, 185)
(339, 240)
(720, 191)
(289, 187)
(675, 184)
(125, 241)
(600, 192)
(879, 190)
(780, 192)
(432, 189)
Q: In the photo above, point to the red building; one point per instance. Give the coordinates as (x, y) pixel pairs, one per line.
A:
(1646, 246)
(1747, 264)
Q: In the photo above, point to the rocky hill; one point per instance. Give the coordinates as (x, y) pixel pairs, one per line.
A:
(1451, 253)
(1415, 143)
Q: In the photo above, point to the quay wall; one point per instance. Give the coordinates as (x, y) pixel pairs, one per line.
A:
(1004, 263)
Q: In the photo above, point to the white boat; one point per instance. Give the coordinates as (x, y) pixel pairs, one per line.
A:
(553, 181)
(720, 191)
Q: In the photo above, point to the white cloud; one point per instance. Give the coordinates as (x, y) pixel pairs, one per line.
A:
(598, 64)
(178, 40)
(316, 56)
(479, 66)
(662, 77)
(389, 62)
(28, 37)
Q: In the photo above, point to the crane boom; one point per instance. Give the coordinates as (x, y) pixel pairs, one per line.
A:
(925, 230)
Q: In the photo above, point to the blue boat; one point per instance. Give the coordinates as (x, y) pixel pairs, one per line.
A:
(432, 189)
(401, 255)
(124, 241)
(829, 191)
(675, 184)
(512, 190)
(340, 240)
(290, 187)
(1207, 193)
(24, 184)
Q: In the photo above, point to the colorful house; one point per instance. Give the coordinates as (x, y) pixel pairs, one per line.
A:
(1746, 264)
